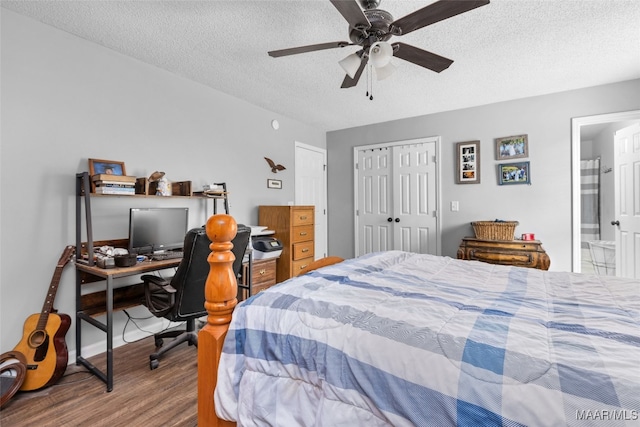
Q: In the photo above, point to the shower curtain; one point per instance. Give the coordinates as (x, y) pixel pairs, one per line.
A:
(590, 200)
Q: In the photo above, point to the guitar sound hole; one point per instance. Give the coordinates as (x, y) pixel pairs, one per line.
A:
(37, 338)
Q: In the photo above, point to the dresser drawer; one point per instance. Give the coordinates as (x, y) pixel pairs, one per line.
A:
(262, 272)
(302, 233)
(303, 250)
(302, 217)
(259, 288)
(520, 259)
(300, 264)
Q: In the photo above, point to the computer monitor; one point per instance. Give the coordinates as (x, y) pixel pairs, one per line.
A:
(154, 230)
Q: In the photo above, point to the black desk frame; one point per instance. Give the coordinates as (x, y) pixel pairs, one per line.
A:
(107, 275)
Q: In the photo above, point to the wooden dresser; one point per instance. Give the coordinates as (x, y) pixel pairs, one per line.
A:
(519, 253)
(294, 227)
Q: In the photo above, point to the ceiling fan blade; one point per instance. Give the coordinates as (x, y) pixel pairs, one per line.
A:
(351, 82)
(421, 57)
(352, 13)
(435, 12)
(309, 48)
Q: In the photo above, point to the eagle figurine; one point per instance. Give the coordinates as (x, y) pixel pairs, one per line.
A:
(274, 168)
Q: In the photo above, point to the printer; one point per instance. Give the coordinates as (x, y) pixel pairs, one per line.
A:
(266, 247)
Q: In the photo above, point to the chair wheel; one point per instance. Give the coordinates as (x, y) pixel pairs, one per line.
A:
(159, 342)
(153, 364)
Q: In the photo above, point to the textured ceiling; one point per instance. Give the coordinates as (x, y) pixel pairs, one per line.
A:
(506, 50)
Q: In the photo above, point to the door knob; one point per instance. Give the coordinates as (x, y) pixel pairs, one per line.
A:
(397, 219)
(616, 222)
(389, 219)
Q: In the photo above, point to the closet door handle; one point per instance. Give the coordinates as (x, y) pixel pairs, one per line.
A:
(397, 219)
(616, 222)
(390, 219)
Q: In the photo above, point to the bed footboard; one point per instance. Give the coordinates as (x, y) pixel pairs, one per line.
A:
(220, 295)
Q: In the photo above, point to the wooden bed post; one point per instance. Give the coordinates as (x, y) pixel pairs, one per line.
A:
(220, 295)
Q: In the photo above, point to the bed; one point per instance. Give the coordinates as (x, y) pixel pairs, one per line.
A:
(396, 338)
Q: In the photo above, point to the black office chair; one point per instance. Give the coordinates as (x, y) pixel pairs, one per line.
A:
(181, 298)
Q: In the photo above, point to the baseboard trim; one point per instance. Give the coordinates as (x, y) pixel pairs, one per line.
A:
(118, 341)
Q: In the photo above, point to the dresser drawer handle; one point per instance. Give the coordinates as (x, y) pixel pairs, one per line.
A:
(303, 217)
(305, 250)
(303, 233)
(262, 271)
(303, 267)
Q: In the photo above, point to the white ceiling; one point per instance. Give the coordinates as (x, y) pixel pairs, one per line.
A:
(506, 50)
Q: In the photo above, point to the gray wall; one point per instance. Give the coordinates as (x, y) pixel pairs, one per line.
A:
(543, 208)
(65, 100)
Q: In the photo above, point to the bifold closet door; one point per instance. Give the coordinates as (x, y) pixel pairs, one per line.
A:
(396, 201)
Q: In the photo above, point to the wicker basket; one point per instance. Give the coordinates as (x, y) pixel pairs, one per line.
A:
(494, 230)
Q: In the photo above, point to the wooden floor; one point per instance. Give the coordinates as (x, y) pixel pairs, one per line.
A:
(166, 396)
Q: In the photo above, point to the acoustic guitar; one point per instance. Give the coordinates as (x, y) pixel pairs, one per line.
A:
(43, 344)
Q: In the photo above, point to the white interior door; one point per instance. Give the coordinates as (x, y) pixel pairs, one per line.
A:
(373, 208)
(396, 197)
(414, 196)
(627, 201)
(311, 189)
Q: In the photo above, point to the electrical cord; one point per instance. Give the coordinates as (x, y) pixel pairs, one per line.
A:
(133, 320)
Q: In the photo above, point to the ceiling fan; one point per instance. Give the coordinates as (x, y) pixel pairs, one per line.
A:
(372, 27)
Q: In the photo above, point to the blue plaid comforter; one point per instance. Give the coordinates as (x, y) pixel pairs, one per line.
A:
(403, 339)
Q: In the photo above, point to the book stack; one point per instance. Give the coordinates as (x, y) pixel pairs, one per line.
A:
(114, 184)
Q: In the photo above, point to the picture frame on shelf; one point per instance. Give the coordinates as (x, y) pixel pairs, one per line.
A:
(107, 167)
(274, 183)
(514, 173)
(512, 147)
(468, 162)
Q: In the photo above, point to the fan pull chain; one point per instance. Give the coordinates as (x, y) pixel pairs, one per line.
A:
(367, 94)
(369, 83)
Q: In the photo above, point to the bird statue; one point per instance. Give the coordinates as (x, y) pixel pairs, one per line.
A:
(274, 168)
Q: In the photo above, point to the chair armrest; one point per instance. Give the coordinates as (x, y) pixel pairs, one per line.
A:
(162, 284)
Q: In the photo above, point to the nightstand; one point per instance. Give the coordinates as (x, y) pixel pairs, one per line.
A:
(519, 253)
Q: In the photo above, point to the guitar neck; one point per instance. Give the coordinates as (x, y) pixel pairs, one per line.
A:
(51, 296)
(47, 307)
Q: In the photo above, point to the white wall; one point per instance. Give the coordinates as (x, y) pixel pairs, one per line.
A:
(65, 100)
(543, 208)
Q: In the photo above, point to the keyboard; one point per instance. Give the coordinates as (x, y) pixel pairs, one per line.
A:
(167, 255)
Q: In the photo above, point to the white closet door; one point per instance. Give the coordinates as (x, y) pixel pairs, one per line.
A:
(396, 197)
(374, 200)
(414, 194)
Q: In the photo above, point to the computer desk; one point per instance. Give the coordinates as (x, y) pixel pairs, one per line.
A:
(105, 302)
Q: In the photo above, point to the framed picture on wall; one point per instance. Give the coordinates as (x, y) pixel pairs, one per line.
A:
(468, 162)
(514, 173)
(512, 147)
(274, 183)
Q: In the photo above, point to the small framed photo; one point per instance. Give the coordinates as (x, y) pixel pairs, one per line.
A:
(514, 173)
(512, 147)
(108, 167)
(468, 162)
(274, 183)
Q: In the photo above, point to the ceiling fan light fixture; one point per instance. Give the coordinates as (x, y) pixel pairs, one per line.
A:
(351, 64)
(384, 72)
(380, 54)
